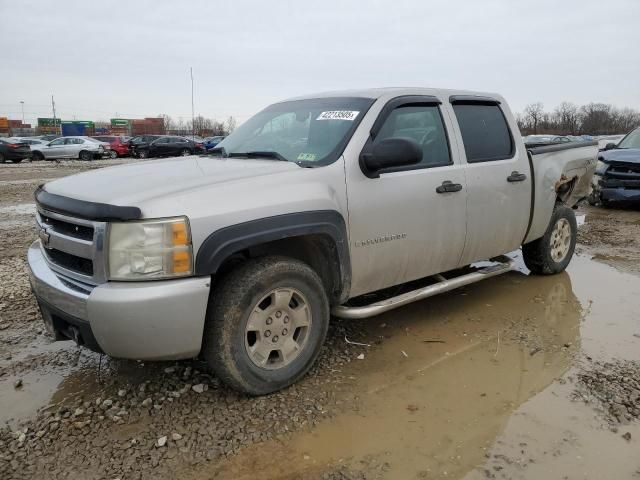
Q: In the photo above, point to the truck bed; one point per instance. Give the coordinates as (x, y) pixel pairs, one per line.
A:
(561, 171)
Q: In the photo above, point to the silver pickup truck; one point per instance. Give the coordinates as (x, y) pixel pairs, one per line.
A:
(316, 206)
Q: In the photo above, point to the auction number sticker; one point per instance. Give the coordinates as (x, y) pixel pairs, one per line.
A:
(349, 115)
(309, 157)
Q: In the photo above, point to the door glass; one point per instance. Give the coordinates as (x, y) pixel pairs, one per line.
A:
(485, 132)
(422, 124)
(58, 141)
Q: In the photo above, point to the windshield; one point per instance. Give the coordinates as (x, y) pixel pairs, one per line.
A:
(631, 141)
(311, 131)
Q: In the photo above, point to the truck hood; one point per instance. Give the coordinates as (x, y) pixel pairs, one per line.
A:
(626, 155)
(133, 184)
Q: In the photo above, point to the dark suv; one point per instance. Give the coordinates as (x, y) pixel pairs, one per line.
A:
(164, 146)
(617, 177)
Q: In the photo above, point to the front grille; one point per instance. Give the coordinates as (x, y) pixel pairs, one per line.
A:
(71, 262)
(72, 230)
(73, 247)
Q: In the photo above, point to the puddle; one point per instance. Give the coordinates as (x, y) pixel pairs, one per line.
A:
(434, 410)
(69, 373)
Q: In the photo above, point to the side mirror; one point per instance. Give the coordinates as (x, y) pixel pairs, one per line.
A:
(610, 146)
(390, 153)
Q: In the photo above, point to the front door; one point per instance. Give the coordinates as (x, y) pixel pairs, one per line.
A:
(56, 149)
(404, 225)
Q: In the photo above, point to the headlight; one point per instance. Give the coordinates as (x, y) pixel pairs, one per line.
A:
(600, 167)
(150, 250)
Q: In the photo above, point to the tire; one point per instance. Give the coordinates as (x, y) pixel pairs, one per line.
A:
(552, 253)
(16, 160)
(185, 152)
(86, 156)
(37, 156)
(247, 296)
(113, 154)
(142, 154)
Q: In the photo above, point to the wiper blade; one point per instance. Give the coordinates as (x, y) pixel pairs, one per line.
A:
(259, 154)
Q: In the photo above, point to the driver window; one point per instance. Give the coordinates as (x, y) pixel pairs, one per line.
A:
(422, 124)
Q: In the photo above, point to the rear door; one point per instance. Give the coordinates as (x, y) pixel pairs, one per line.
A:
(403, 225)
(498, 177)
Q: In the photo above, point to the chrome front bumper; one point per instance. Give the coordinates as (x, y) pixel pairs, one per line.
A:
(156, 320)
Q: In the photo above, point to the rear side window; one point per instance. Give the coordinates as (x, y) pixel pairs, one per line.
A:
(485, 132)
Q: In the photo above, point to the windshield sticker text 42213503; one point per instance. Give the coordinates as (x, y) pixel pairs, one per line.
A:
(349, 115)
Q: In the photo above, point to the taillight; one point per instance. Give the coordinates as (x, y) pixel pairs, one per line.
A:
(13, 145)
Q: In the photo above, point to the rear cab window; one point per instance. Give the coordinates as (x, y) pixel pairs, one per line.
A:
(485, 133)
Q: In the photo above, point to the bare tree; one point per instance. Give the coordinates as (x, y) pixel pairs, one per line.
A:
(567, 118)
(167, 122)
(230, 125)
(533, 115)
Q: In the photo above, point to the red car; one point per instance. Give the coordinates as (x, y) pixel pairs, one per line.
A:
(119, 144)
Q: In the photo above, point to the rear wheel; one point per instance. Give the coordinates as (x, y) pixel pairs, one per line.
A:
(143, 154)
(113, 154)
(266, 324)
(86, 156)
(553, 252)
(37, 156)
(185, 152)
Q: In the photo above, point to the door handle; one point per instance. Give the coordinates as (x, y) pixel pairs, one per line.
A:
(516, 177)
(448, 186)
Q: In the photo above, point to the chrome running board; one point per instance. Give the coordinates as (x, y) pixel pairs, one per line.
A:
(495, 266)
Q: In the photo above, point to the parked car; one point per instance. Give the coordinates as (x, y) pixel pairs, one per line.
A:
(212, 142)
(354, 193)
(83, 148)
(546, 139)
(165, 146)
(31, 141)
(119, 144)
(617, 177)
(48, 138)
(13, 150)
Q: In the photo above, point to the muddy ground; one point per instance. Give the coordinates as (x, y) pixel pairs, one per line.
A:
(517, 377)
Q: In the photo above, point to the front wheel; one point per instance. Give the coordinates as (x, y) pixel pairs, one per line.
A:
(113, 154)
(266, 324)
(553, 252)
(142, 154)
(185, 152)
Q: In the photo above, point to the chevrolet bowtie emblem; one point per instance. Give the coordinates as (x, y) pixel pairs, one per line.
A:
(44, 237)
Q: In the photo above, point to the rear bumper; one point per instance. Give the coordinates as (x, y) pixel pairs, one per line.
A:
(157, 320)
(12, 155)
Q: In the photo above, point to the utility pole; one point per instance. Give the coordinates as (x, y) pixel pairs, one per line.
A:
(193, 117)
(53, 106)
(22, 106)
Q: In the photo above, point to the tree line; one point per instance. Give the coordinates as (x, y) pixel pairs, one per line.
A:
(571, 119)
(201, 126)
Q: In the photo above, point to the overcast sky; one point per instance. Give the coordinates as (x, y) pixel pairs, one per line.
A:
(132, 59)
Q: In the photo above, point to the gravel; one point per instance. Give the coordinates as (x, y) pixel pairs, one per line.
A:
(613, 388)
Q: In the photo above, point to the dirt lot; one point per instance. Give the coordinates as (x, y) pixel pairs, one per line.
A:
(517, 377)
